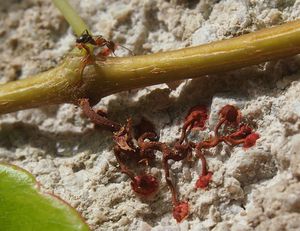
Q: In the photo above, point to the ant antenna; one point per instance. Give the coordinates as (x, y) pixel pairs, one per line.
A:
(86, 32)
(130, 51)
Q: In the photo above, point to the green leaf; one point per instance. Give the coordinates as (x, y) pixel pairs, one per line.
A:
(24, 207)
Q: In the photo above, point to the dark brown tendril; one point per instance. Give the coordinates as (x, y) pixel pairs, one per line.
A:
(97, 119)
(143, 148)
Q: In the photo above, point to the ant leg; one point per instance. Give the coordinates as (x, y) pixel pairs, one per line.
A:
(130, 51)
(111, 46)
(104, 53)
(88, 59)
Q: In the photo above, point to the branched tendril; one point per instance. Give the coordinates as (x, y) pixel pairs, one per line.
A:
(142, 148)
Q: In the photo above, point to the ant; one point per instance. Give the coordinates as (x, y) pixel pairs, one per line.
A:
(98, 41)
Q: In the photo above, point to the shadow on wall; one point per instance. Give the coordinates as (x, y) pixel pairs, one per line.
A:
(65, 144)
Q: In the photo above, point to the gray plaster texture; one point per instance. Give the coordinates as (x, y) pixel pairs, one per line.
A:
(253, 189)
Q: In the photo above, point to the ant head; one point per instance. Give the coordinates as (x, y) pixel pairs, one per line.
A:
(85, 37)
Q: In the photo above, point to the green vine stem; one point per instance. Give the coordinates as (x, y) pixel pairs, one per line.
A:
(74, 20)
(117, 74)
(64, 84)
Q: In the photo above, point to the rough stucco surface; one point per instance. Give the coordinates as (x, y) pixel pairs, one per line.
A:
(254, 189)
